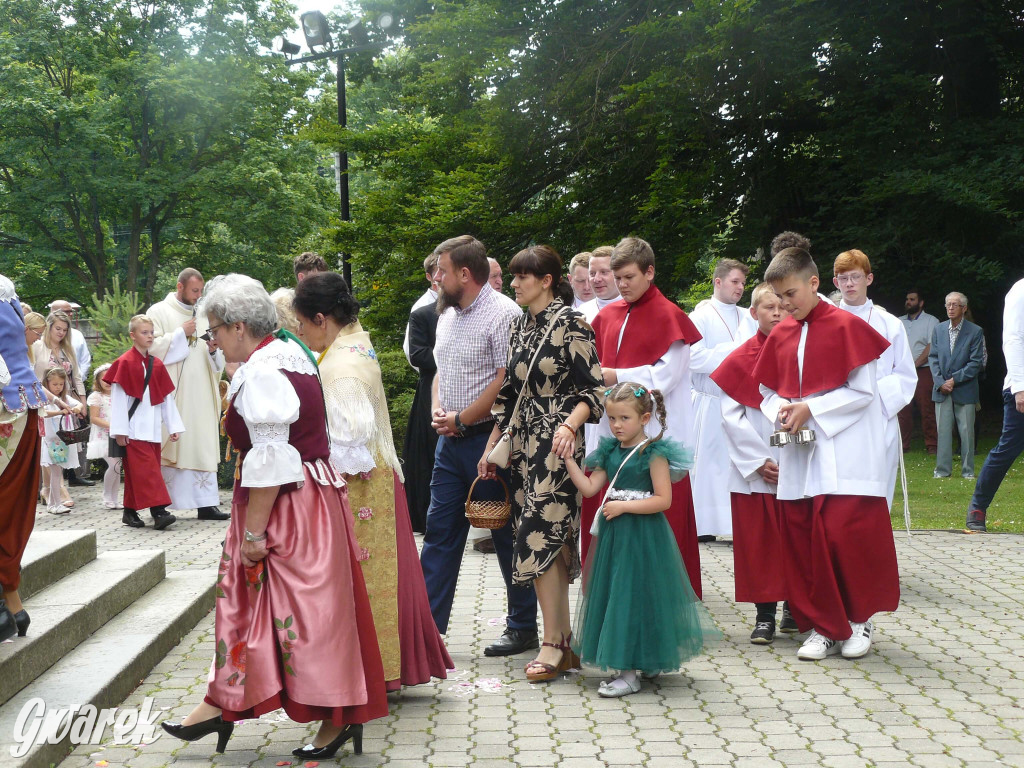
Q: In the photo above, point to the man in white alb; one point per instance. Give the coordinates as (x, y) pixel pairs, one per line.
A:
(723, 326)
(189, 466)
(602, 281)
(895, 371)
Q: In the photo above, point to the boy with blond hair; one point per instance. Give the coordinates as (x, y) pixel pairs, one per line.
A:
(753, 476)
(140, 407)
(897, 376)
(816, 375)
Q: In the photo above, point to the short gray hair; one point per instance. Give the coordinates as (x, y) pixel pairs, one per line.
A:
(238, 298)
(960, 298)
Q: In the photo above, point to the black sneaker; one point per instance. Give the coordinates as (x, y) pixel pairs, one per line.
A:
(764, 633)
(788, 624)
(131, 518)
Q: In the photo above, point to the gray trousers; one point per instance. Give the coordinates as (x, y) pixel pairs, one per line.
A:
(945, 414)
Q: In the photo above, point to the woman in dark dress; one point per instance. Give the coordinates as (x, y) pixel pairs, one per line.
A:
(420, 437)
(562, 394)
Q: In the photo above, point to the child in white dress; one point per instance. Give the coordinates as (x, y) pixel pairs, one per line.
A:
(55, 455)
(99, 434)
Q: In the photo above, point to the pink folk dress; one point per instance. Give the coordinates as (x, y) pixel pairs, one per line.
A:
(295, 631)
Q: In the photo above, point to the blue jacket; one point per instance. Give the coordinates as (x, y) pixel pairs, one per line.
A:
(963, 364)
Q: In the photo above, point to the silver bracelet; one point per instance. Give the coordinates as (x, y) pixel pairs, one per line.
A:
(250, 536)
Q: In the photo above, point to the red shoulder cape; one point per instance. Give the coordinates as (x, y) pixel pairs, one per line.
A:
(733, 374)
(129, 371)
(654, 324)
(837, 342)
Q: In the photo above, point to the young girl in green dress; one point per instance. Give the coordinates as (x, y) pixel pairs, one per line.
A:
(638, 612)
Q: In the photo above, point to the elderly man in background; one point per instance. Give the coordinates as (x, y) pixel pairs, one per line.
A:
(79, 476)
(429, 298)
(956, 361)
(189, 465)
(494, 277)
(579, 278)
(919, 326)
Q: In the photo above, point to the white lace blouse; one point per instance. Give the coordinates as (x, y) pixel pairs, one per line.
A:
(269, 405)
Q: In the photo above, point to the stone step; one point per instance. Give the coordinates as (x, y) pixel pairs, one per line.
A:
(52, 555)
(108, 666)
(67, 612)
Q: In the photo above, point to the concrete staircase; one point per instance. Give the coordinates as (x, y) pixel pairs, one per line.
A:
(100, 623)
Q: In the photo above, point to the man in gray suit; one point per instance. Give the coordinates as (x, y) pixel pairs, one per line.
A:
(956, 360)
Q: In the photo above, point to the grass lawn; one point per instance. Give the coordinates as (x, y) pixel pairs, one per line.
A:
(943, 503)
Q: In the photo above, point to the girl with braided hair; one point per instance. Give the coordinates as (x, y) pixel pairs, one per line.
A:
(638, 612)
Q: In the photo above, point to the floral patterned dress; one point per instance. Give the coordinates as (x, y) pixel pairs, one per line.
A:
(545, 503)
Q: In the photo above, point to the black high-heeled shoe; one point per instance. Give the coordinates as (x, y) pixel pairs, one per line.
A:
(198, 730)
(22, 621)
(354, 732)
(8, 624)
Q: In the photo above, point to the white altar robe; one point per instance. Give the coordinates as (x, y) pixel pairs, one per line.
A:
(190, 464)
(723, 328)
(897, 378)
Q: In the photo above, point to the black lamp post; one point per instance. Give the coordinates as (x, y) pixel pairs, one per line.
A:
(318, 35)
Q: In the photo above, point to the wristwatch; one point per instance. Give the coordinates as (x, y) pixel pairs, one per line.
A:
(250, 536)
(459, 426)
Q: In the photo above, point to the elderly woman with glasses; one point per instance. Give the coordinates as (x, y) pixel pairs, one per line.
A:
(294, 628)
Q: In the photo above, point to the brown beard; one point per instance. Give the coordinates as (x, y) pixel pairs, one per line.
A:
(446, 300)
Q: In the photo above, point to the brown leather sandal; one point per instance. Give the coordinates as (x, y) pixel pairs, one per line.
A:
(547, 671)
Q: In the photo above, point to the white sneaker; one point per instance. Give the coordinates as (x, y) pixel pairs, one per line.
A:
(816, 647)
(860, 641)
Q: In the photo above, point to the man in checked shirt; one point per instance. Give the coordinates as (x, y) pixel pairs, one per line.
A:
(471, 349)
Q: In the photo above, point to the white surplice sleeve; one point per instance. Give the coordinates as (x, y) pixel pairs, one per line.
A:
(747, 448)
(177, 348)
(896, 387)
(672, 370)
(841, 407)
(170, 416)
(268, 404)
(351, 423)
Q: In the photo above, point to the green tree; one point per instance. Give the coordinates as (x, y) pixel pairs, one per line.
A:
(133, 136)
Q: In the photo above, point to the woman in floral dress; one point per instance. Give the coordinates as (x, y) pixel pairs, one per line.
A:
(294, 628)
(363, 450)
(563, 393)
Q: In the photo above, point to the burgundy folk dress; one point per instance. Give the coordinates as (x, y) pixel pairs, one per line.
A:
(295, 631)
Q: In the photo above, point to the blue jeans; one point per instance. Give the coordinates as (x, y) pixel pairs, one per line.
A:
(455, 462)
(1001, 458)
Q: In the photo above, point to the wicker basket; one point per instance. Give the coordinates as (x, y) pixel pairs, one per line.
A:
(75, 434)
(488, 514)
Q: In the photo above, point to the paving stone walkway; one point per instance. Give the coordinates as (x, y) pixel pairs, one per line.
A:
(944, 685)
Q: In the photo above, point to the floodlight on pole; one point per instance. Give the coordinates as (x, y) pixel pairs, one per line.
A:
(314, 27)
(287, 48)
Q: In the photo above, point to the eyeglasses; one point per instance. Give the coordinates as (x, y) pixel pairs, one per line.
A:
(853, 279)
(208, 336)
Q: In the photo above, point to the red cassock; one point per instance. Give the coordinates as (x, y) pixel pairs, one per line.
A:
(654, 324)
(840, 558)
(756, 538)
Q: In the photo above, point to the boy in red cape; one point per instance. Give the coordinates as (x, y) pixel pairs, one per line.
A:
(646, 338)
(816, 371)
(753, 476)
(138, 413)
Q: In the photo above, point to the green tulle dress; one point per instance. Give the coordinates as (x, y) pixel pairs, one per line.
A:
(637, 609)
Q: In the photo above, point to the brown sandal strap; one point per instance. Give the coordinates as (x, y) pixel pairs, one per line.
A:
(552, 645)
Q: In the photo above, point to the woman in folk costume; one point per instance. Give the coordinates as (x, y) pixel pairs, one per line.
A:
(294, 628)
(21, 395)
(362, 448)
